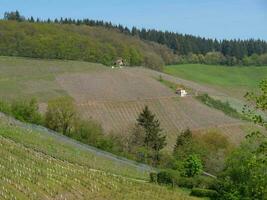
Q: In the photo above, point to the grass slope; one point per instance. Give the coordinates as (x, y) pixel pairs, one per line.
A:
(38, 165)
(234, 81)
(25, 77)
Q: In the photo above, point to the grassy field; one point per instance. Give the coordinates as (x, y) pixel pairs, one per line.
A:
(24, 78)
(38, 165)
(235, 81)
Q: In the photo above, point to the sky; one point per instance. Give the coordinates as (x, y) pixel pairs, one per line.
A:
(221, 19)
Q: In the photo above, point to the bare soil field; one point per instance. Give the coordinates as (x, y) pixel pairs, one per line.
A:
(115, 97)
(112, 85)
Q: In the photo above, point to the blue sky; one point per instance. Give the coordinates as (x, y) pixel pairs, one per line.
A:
(210, 18)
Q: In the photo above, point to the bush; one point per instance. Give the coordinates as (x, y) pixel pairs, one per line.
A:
(192, 166)
(23, 110)
(198, 192)
(186, 182)
(26, 111)
(61, 115)
(153, 177)
(168, 177)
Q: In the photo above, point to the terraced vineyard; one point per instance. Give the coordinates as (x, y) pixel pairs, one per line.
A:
(40, 165)
(175, 114)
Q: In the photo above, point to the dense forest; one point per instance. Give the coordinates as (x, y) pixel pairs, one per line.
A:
(187, 48)
(72, 42)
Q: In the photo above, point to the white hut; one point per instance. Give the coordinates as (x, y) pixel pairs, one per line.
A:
(181, 92)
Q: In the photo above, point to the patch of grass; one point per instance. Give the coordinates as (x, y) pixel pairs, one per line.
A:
(235, 81)
(171, 85)
(26, 77)
(225, 107)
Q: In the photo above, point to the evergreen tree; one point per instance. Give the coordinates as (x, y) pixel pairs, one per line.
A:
(154, 139)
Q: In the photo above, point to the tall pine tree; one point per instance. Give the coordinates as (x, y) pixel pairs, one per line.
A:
(154, 139)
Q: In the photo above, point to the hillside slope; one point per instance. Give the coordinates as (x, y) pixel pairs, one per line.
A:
(71, 42)
(36, 164)
(114, 97)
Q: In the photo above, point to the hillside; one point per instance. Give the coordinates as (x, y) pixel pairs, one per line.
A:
(44, 165)
(234, 81)
(114, 97)
(87, 43)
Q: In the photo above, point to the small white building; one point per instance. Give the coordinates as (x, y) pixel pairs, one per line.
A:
(181, 92)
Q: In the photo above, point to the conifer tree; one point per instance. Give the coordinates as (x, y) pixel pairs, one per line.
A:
(154, 139)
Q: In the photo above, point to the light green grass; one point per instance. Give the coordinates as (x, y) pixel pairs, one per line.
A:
(26, 77)
(34, 165)
(232, 80)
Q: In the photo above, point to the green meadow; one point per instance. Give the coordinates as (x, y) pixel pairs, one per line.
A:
(234, 81)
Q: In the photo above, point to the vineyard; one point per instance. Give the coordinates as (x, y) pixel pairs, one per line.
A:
(59, 170)
(115, 97)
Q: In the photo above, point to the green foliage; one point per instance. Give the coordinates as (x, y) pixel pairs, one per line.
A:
(153, 177)
(60, 115)
(257, 102)
(245, 170)
(212, 148)
(73, 42)
(199, 192)
(153, 139)
(193, 166)
(23, 110)
(225, 107)
(245, 175)
(169, 177)
(174, 178)
(88, 132)
(184, 144)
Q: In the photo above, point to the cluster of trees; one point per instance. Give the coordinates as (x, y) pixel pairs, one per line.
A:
(71, 42)
(191, 49)
(241, 171)
(217, 58)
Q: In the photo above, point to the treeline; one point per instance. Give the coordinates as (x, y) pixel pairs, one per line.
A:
(191, 49)
(18, 37)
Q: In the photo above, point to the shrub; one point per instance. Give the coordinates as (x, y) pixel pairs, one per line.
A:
(153, 177)
(192, 166)
(60, 115)
(199, 192)
(26, 111)
(186, 182)
(23, 110)
(168, 177)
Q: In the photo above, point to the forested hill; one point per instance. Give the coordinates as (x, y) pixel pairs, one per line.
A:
(72, 42)
(99, 41)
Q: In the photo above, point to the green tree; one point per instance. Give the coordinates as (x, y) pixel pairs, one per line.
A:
(192, 166)
(154, 139)
(184, 145)
(60, 115)
(245, 174)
